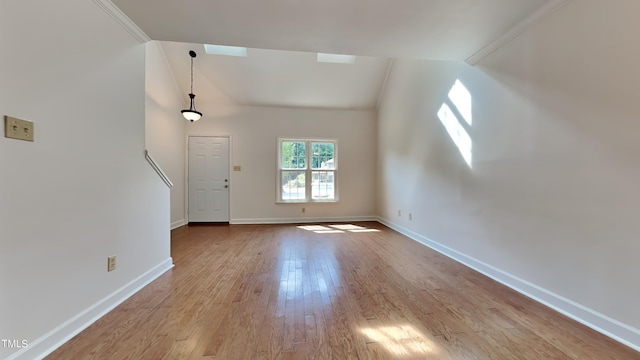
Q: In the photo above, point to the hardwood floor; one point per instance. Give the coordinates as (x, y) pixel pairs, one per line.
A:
(357, 291)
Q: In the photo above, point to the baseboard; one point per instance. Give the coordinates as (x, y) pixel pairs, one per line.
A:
(599, 322)
(177, 224)
(47, 343)
(303, 220)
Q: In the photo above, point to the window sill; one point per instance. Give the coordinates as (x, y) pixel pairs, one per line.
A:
(307, 201)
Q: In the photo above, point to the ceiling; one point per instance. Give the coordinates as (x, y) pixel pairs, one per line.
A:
(278, 78)
(375, 30)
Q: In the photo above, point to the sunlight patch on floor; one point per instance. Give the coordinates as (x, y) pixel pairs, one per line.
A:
(336, 229)
(402, 341)
(314, 228)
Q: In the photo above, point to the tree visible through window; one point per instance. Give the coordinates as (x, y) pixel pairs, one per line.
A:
(307, 170)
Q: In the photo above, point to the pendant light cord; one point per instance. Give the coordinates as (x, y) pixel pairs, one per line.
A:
(191, 75)
(192, 114)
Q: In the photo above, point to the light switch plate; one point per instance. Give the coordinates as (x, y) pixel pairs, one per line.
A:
(237, 168)
(19, 129)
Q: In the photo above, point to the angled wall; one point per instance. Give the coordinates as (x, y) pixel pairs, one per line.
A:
(83, 190)
(549, 202)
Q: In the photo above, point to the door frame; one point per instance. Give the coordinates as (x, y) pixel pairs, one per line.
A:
(186, 172)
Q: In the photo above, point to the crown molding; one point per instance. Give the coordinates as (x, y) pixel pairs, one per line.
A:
(108, 7)
(516, 30)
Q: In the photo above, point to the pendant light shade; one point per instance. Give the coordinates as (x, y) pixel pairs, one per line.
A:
(191, 113)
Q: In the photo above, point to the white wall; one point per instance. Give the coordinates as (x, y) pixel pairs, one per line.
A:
(254, 132)
(551, 202)
(165, 136)
(83, 190)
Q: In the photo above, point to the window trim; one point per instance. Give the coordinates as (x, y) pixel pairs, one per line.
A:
(308, 170)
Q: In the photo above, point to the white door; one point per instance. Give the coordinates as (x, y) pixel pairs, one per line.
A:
(208, 179)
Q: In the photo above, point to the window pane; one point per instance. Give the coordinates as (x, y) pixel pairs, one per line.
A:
(293, 185)
(322, 155)
(322, 185)
(293, 154)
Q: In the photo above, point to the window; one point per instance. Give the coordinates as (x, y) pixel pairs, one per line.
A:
(307, 170)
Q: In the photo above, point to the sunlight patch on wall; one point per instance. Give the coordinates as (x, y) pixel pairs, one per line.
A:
(461, 98)
(402, 341)
(457, 132)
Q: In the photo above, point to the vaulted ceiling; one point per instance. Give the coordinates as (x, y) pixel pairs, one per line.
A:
(284, 35)
(278, 78)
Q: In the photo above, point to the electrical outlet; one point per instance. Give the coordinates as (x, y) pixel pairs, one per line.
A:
(399, 213)
(15, 128)
(304, 210)
(111, 263)
(410, 217)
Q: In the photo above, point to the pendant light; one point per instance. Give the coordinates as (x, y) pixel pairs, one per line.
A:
(192, 114)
